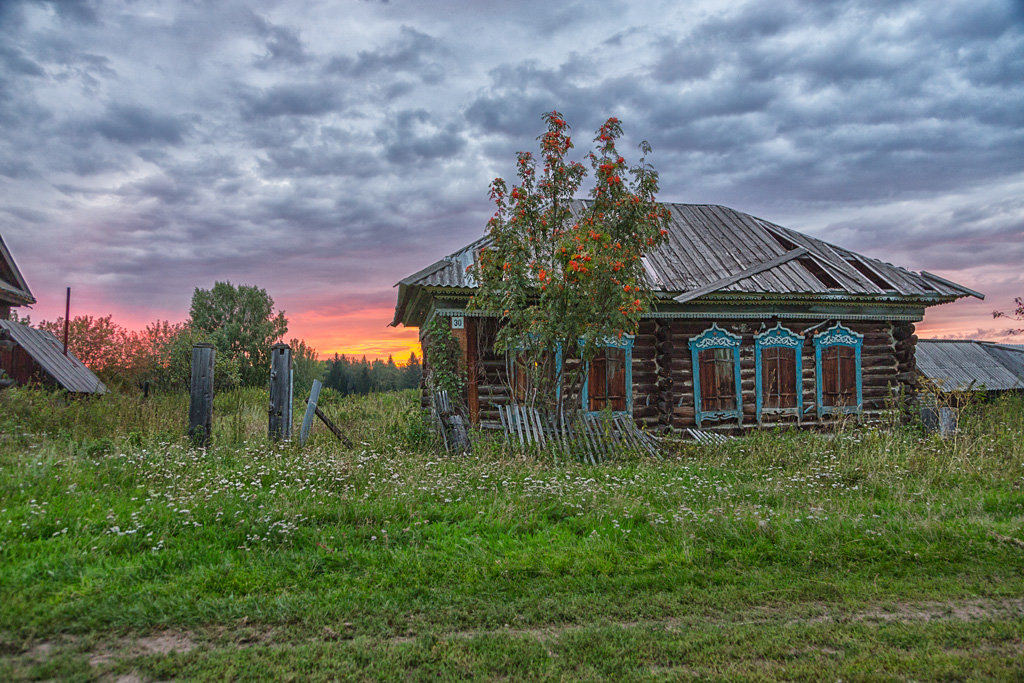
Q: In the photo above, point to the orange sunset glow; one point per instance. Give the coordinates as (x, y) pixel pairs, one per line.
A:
(151, 148)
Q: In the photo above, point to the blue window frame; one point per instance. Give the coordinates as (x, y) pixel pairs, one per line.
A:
(609, 386)
(837, 368)
(776, 374)
(711, 353)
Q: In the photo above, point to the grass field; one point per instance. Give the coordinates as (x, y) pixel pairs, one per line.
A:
(867, 553)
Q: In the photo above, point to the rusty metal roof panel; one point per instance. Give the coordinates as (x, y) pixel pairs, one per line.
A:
(966, 364)
(69, 372)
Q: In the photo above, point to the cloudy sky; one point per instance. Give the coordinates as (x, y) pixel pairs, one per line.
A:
(324, 150)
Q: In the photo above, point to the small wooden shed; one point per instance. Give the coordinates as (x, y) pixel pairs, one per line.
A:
(754, 325)
(13, 288)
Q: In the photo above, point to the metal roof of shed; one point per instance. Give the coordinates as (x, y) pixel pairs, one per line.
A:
(45, 349)
(722, 252)
(968, 364)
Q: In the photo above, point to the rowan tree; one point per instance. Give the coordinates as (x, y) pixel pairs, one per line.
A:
(562, 278)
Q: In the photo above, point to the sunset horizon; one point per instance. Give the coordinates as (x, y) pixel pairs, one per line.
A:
(152, 148)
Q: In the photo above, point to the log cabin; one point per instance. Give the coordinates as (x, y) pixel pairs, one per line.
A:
(753, 325)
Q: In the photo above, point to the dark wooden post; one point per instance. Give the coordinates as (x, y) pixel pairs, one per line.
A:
(279, 425)
(200, 407)
(67, 320)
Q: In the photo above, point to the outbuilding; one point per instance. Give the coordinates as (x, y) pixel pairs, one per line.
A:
(959, 365)
(754, 324)
(13, 288)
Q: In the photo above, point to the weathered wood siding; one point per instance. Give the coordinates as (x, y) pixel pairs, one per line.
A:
(887, 368)
(662, 373)
(21, 367)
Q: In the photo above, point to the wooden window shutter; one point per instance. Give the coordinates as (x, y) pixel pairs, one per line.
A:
(839, 376)
(606, 381)
(717, 380)
(778, 382)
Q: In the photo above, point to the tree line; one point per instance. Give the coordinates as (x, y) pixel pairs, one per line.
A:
(242, 324)
(350, 376)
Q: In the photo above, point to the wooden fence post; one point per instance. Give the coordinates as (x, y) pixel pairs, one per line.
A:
(279, 425)
(200, 407)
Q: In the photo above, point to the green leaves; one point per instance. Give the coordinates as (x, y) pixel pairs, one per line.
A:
(243, 325)
(556, 272)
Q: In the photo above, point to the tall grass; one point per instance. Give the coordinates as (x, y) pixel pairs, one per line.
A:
(239, 417)
(111, 522)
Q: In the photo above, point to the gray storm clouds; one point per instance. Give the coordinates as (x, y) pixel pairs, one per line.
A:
(325, 151)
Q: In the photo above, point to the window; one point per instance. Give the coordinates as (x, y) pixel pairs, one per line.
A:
(838, 368)
(715, 356)
(717, 390)
(838, 376)
(779, 389)
(520, 377)
(608, 384)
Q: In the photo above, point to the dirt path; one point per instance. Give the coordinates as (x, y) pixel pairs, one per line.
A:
(102, 652)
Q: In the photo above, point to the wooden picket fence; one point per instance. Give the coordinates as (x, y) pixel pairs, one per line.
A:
(449, 423)
(591, 438)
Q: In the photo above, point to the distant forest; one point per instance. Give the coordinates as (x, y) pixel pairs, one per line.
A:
(349, 376)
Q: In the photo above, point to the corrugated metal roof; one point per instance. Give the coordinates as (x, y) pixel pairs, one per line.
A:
(707, 243)
(69, 372)
(959, 364)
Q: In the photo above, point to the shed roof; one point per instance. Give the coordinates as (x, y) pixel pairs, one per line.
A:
(968, 364)
(13, 288)
(716, 252)
(69, 372)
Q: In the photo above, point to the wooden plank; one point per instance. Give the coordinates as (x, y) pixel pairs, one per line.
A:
(473, 390)
(333, 427)
(745, 273)
(200, 407)
(307, 419)
(538, 427)
(280, 413)
(949, 283)
(518, 426)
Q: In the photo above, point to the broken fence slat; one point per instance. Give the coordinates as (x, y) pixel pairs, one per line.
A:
(333, 427)
(538, 428)
(307, 419)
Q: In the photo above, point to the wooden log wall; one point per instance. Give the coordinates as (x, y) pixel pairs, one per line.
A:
(662, 372)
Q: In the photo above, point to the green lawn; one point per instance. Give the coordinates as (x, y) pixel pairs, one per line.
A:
(862, 554)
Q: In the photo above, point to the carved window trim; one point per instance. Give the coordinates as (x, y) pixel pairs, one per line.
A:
(838, 335)
(716, 338)
(773, 338)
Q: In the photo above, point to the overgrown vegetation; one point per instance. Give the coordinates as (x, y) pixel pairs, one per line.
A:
(863, 553)
(442, 351)
(565, 281)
